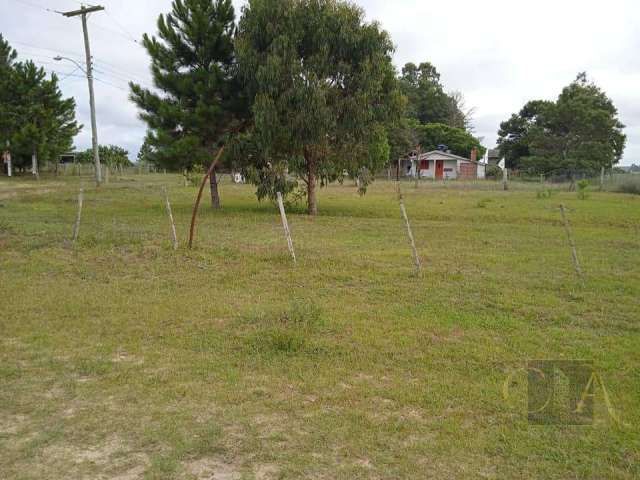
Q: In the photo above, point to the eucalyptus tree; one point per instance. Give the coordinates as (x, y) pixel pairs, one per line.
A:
(323, 90)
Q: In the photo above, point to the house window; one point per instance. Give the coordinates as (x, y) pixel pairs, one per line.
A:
(424, 164)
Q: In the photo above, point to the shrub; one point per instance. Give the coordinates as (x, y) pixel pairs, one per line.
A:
(582, 189)
(493, 172)
(194, 176)
(629, 186)
(544, 193)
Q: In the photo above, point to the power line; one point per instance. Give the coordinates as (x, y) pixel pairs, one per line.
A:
(111, 70)
(39, 7)
(121, 27)
(125, 78)
(65, 75)
(115, 32)
(72, 74)
(103, 67)
(66, 52)
(110, 84)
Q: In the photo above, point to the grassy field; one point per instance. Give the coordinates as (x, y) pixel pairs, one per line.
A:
(122, 359)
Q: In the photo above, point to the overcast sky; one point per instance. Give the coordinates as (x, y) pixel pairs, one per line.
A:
(499, 54)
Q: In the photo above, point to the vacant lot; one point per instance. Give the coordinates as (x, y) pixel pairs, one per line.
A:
(121, 358)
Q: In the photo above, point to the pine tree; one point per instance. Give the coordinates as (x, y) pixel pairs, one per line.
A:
(7, 116)
(34, 117)
(146, 153)
(7, 55)
(192, 62)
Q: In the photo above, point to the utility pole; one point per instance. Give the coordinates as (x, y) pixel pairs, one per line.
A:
(94, 127)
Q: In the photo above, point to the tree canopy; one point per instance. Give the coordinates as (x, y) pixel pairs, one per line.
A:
(110, 155)
(146, 155)
(196, 101)
(458, 140)
(323, 89)
(580, 131)
(34, 117)
(427, 100)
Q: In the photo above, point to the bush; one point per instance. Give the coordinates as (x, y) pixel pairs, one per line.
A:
(364, 180)
(493, 172)
(582, 189)
(629, 186)
(545, 193)
(194, 176)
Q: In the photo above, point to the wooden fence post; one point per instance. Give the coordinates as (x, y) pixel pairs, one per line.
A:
(174, 236)
(416, 258)
(285, 225)
(76, 226)
(572, 244)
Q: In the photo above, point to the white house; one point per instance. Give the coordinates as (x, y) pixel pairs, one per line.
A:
(441, 165)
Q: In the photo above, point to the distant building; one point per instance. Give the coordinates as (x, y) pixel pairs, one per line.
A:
(441, 165)
(67, 158)
(494, 156)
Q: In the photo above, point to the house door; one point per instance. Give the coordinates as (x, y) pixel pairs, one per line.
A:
(439, 169)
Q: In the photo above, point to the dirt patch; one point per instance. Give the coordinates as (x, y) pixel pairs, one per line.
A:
(266, 472)
(12, 424)
(124, 357)
(99, 454)
(212, 469)
(112, 457)
(364, 463)
(134, 473)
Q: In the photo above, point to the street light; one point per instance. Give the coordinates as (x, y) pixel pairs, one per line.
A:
(92, 104)
(60, 58)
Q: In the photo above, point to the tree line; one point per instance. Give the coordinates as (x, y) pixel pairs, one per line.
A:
(35, 119)
(294, 94)
(297, 92)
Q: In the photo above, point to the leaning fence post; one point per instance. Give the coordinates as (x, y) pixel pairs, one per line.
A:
(174, 236)
(572, 244)
(285, 225)
(416, 258)
(76, 226)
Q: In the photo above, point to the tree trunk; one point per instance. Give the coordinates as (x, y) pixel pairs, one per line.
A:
(34, 165)
(196, 205)
(312, 201)
(215, 195)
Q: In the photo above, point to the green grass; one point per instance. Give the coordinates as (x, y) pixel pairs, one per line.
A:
(120, 358)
